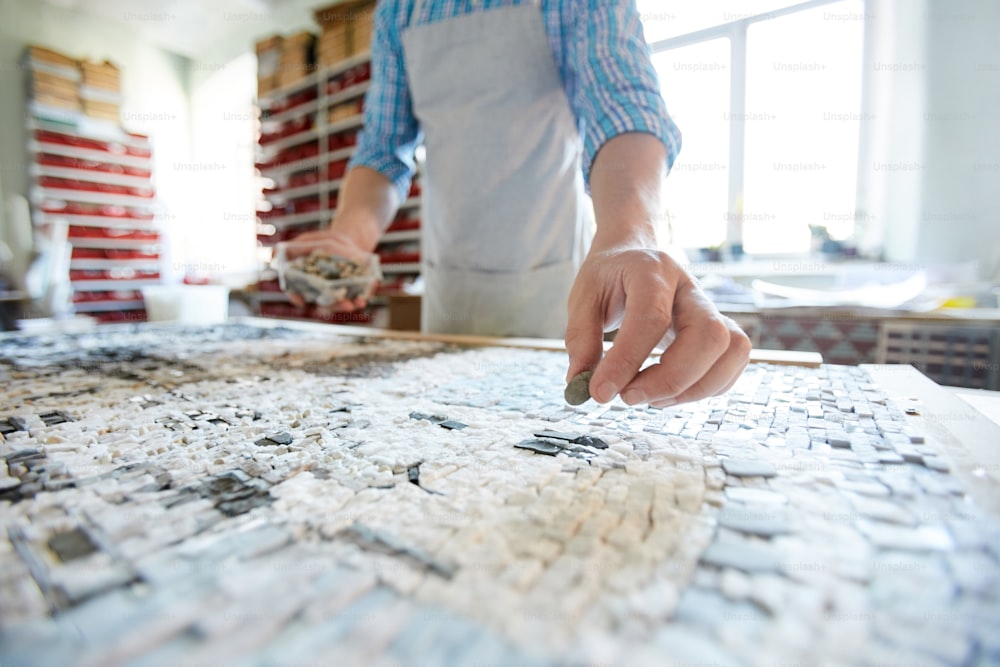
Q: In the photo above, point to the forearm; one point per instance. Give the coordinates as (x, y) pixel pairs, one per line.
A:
(626, 184)
(368, 202)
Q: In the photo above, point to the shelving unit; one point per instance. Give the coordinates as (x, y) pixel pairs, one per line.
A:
(96, 179)
(308, 133)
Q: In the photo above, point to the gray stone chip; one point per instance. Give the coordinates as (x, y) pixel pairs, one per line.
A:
(540, 447)
(578, 389)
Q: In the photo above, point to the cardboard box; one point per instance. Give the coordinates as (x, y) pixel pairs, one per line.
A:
(404, 312)
(268, 61)
(46, 56)
(102, 110)
(58, 101)
(334, 44)
(347, 30)
(340, 112)
(342, 12)
(296, 60)
(362, 31)
(45, 82)
(104, 75)
(266, 84)
(293, 73)
(268, 44)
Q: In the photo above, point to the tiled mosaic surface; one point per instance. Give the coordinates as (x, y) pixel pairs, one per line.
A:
(236, 495)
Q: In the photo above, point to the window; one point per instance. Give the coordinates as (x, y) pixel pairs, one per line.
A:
(786, 79)
(697, 77)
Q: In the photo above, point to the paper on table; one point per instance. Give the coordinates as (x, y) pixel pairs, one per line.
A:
(872, 295)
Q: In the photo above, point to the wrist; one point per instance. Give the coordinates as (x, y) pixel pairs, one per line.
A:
(355, 231)
(626, 185)
(625, 232)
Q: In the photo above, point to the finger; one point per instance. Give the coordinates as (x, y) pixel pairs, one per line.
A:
(721, 377)
(703, 337)
(296, 299)
(647, 319)
(584, 331)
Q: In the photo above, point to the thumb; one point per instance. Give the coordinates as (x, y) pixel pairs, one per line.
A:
(584, 334)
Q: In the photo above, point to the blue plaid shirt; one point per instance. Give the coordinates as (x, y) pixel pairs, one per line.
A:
(598, 47)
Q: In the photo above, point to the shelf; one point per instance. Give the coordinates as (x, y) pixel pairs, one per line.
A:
(292, 167)
(36, 146)
(346, 124)
(136, 264)
(109, 222)
(108, 285)
(303, 109)
(341, 153)
(291, 140)
(312, 134)
(114, 244)
(350, 93)
(409, 267)
(343, 65)
(400, 236)
(90, 175)
(71, 73)
(303, 190)
(411, 202)
(87, 197)
(107, 306)
(322, 75)
(294, 219)
(273, 96)
(308, 163)
(69, 121)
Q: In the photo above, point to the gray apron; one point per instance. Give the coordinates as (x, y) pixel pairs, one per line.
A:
(506, 218)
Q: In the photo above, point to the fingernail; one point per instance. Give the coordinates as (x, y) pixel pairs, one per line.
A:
(607, 391)
(665, 403)
(634, 397)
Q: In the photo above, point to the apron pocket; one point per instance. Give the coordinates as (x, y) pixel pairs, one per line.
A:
(529, 303)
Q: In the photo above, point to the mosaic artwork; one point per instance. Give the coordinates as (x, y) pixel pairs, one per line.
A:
(254, 495)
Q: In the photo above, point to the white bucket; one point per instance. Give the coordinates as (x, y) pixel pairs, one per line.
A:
(186, 304)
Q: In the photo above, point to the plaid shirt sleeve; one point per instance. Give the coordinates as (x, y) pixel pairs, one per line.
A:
(604, 62)
(390, 133)
(615, 87)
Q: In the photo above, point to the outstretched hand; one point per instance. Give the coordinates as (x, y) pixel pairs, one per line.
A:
(334, 244)
(653, 303)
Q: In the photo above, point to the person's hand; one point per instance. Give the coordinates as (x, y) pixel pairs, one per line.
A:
(653, 303)
(333, 243)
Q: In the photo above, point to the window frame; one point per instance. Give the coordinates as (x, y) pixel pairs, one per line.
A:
(736, 33)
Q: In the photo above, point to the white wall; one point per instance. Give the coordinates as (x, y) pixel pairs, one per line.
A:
(931, 178)
(154, 82)
(961, 203)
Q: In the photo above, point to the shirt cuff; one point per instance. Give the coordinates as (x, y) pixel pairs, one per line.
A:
(390, 166)
(646, 113)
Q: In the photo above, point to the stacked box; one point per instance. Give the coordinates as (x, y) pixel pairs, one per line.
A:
(104, 76)
(347, 30)
(268, 60)
(362, 29)
(40, 56)
(296, 58)
(334, 44)
(53, 78)
(339, 112)
(101, 90)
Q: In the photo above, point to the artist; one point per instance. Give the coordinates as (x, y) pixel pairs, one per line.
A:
(523, 107)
